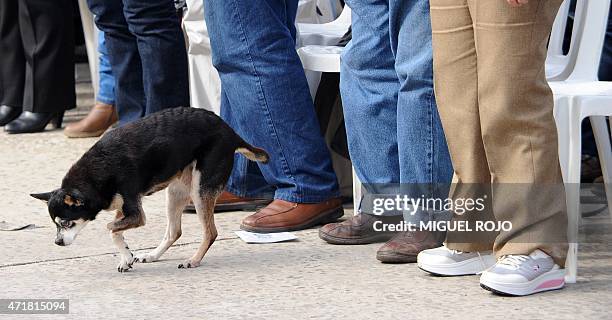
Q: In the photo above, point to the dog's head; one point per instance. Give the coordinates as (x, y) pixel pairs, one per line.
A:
(69, 211)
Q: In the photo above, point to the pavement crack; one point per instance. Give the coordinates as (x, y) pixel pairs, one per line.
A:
(99, 254)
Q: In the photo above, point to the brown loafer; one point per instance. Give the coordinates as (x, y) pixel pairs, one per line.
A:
(281, 215)
(99, 119)
(231, 202)
(405, 246)
(358, 229)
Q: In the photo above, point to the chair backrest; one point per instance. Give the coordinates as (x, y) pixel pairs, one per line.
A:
(592, 29)
(560, 66)
(345, 16)
(555, 46)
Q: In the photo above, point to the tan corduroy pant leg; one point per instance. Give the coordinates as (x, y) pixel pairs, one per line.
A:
(496, 109)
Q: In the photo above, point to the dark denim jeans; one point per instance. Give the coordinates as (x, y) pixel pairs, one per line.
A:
(394, 132)
(147, 54)
(265, 98)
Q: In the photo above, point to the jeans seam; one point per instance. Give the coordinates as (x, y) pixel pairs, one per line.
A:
(262, 98)
(431, 136)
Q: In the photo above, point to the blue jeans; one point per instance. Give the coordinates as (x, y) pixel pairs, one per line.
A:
(147, 54)
(386, 81)
(265, 98)
(106, 87)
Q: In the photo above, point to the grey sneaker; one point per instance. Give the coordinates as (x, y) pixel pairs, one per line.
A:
(446, 262)
(521, 275)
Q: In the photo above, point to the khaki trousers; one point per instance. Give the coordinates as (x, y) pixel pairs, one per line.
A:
(496, 109)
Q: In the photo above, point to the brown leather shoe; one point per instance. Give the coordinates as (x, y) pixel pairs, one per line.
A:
(99, 119)
(231, 202)
(281, 215)
(358, 229)
(405, 246)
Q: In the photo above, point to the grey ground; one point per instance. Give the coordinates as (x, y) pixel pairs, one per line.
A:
(295, 280)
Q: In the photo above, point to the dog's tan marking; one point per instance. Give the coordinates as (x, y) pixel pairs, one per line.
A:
(163, 185)
(71, 201)
(122, 222)
(251, 155)
(116, 203)
(129, 222)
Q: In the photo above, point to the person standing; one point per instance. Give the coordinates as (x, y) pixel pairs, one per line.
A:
(36, 65)
(103, 114)
(497, 110)
(147, 55)
(265, 98)
(204, 82)
(395, 137)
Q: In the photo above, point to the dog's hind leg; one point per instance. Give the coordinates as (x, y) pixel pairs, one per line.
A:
(177, 197)
(204, 202)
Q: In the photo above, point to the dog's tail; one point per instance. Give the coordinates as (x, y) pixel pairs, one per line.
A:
(252, 153)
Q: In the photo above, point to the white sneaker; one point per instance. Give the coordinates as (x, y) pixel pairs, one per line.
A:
(521, 275)
(446, 262)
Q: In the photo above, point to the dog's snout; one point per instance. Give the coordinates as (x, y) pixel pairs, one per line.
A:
(59, 242)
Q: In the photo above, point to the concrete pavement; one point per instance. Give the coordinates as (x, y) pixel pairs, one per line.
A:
(295, 280)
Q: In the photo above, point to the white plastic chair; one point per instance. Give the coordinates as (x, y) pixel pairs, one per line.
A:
(317, 59)
(558, 65)
(90, 31)
(576, 98)
(324, 34)
(318, 11)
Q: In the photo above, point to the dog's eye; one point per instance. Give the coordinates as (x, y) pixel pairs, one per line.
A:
(66, 224)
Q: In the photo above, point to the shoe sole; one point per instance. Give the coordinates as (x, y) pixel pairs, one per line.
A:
(77, 135)
(551, 280)
(323, 218)
(395, 258)
(464, 268)
(238, 206)
(376, 238)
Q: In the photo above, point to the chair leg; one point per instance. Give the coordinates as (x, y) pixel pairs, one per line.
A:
(573, 215)
(572, 179)
(602, 138)
(571, 263)
(313, 78)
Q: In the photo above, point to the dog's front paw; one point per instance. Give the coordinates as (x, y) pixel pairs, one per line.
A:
(125, 264)
(189, 264)
(145, 258)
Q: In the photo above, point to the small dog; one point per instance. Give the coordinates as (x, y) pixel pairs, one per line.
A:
(186, 150)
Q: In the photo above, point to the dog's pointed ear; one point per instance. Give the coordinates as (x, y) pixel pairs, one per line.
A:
(72, 200)
(42, 196)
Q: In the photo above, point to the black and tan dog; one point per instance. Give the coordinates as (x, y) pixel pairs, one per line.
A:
(189, 151)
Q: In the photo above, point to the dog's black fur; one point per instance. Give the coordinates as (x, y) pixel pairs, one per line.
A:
(143, 157)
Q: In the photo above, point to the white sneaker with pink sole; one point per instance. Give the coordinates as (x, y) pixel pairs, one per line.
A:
(521, 275)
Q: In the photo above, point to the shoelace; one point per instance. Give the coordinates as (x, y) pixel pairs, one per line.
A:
(514, 261)
(480, 258)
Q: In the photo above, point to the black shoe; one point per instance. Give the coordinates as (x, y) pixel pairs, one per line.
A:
(29, 122)
(8, 114)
